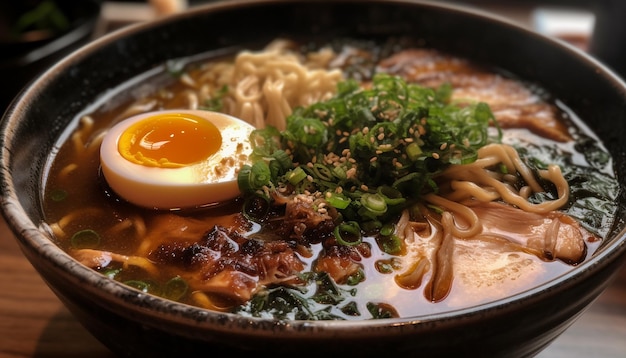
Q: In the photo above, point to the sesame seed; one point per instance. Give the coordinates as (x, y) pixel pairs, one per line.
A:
(373, 159)
(436, 155)
(443, 146)
(364, 187)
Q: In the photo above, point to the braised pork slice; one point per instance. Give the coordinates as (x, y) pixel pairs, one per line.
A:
(225, 262)
(554, 235)
(513, 104)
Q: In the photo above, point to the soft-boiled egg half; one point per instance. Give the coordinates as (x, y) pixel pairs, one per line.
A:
(176, 159)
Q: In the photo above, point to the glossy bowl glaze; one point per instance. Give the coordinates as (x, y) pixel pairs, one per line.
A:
(132, 323)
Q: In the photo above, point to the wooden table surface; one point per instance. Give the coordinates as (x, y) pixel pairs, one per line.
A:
(34, 323)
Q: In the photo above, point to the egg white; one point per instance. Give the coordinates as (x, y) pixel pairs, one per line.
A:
(204, 183)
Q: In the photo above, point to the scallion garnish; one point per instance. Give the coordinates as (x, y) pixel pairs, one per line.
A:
(370, 151)
(85, 239)
(348, 233)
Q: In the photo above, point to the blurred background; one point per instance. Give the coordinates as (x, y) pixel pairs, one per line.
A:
(34, 34)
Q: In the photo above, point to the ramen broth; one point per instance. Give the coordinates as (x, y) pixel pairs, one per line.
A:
(153, 250)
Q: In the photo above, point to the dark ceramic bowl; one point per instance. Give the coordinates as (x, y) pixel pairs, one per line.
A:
(132, 323)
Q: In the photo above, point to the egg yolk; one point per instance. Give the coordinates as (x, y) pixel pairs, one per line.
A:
(170, 140)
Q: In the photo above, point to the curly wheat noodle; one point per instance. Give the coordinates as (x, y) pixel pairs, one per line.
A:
(67, 170)
(265, 87)
(493, 154)
(474, 181)
(443, 273)
(58, 228)
(489, 182)
(85, 127)
(459, 211)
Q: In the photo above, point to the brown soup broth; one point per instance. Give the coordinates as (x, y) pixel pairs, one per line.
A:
(78, 200)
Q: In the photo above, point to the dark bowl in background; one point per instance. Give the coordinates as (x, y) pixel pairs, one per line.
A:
(55, 29)
(132, 323)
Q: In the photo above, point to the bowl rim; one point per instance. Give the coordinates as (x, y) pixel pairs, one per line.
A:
(33, 237)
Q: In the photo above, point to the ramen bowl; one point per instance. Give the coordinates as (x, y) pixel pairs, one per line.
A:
(133, 323)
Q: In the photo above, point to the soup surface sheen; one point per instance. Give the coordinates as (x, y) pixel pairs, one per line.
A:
(511, 191)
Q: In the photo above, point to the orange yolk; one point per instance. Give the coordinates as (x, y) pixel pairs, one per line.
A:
(170, 140)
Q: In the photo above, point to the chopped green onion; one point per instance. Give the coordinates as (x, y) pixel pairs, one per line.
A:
(85, 239)
(391, 244)
(112, 273)
(322, 172)
(254, 177)
(371, 226)
(339, 173)
(256, 207)
(139, 285)
(374, 203)
(383, 144)
(391, 195)
(468, 158)
(58, 195)
(175, 288)
(356, 278)
(348, 233)
(296, 175)
(338, 201)
(413, 151)
(283, 160)
(388, 229)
